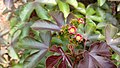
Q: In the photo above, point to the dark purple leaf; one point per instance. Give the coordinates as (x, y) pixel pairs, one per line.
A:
(8, 3)
(58, 17)
(52, 61)
(87, 62)
(97, 57)
(34, 59)
(46, 37)
(70, 17)
(55, 49)
(62, 64)
(45, 25)
(60, 51)
(100, 48)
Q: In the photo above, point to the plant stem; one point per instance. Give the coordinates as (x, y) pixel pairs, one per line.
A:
(84, 44)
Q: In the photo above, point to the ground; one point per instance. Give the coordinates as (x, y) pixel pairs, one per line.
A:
(3, 23)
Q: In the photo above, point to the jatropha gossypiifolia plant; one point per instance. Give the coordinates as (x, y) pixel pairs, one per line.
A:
(74, 35)
(76, 49)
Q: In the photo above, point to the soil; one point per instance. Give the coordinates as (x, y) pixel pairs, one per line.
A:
(4, 24)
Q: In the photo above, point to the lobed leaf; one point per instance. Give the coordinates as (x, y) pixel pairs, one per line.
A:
(52, 61)
(48, 2)
(31, 43)
(65, 59)
(110, 32)
(41, 12)
(64, 7)
(101, 2)
(74, 3)
(97, 57)
(46, 37)
(58, 17)
(26, 12)
(45, 25)
(34, 59)
(70, 17)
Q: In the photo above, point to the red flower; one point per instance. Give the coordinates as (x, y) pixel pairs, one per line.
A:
(78, 37)
(81, 20)
(72, 29)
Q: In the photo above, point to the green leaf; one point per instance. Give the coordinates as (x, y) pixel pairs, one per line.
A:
(41, 12)
(111, 19)
(100, 12)
(47, 2)
(15, 37)
(26, 12)
(18, 26)
(89, 28)
(101, 2)
(45, 25)
(13, 22)
(34, 59)
(81, 8)
(74, 3)
(96, 18)
(31, 43)
(118, 7)
(18, 66)
(25, 32)
(64, 7)
(96, 37)
(56, 40)
(90, 10)
(12, 53)
(101, 25)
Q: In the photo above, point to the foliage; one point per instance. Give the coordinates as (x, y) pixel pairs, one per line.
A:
(60, 34)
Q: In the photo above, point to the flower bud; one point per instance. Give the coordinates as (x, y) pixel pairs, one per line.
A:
(81, 20)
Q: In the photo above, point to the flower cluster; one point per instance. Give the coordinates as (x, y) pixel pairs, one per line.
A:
(73, 30)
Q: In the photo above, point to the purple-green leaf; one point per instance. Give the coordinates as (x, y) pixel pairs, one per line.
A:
(46, 37)
(45, 25)
(32, 60)
(110, 32)
(31, 43)
(70, 17)
(27, 10)
(58, 17)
